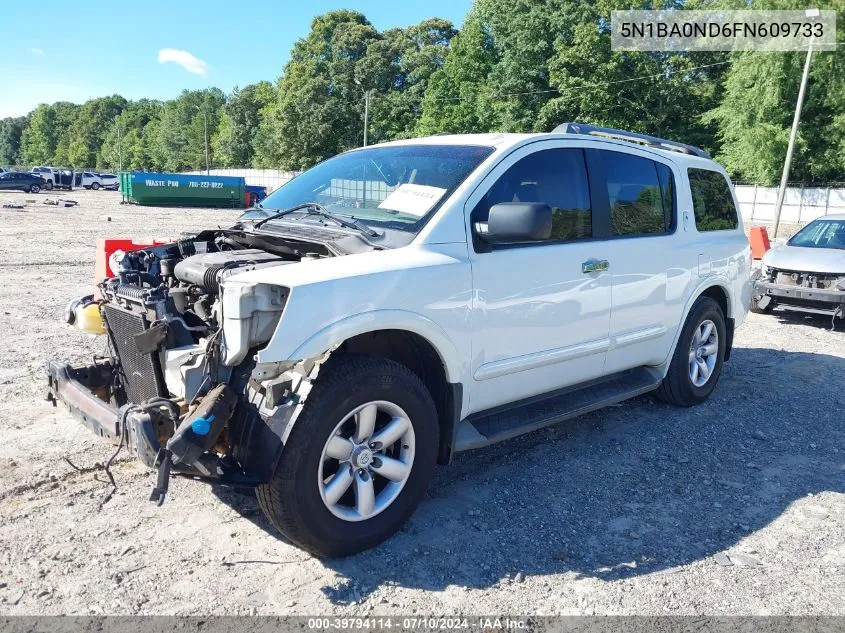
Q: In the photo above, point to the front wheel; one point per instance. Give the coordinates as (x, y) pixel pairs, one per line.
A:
(49, 185)
(95, 186)
(34, 189)
(698, 358)
(358, 459)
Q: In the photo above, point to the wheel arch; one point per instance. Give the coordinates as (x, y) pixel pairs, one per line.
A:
(420, 355)
(716, 289)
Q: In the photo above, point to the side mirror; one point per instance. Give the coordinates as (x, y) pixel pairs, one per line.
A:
(515, 222)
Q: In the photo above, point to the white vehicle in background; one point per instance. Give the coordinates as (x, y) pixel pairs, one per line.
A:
(400, 303)
(807, 273)
(95, 180)
(48, 174)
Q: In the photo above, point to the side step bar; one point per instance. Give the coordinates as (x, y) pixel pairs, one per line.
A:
(502, 423)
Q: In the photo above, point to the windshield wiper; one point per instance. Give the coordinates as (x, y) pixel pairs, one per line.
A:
(314, 208)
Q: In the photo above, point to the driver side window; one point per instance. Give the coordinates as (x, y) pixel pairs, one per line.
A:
(556, 177)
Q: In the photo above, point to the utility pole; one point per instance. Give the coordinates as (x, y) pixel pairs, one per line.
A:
(810, 13)
(205, 134)
(366, 114)
(119, 151)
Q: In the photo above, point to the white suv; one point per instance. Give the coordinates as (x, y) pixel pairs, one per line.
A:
(95, 180)
(399, 303)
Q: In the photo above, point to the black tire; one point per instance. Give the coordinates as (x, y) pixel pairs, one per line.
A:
(95, 186)
(34, 189)
(677, 387)
(49, 185)
(291, 500)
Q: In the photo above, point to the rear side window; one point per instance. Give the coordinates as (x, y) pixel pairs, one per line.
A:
(641, 194)
(712, 201)
(556, 177)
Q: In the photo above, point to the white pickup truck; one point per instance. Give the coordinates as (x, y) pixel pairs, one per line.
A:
(402, 302)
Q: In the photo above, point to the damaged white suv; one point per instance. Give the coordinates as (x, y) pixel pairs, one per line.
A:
(402, 302)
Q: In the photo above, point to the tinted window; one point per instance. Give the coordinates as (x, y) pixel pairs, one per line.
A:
(712, 201)
(556, 177)
(638, 202)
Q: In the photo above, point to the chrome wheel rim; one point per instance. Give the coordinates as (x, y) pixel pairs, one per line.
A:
(703, 353)
(366, 461)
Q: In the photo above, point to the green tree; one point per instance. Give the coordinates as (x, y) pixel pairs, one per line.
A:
(319, 110)
(754, 117)
(179, 142)
(240, 119)
(39, 138)
(458, 97)
(92, 124)
(134, 126)
(529, 65)
(10, 139)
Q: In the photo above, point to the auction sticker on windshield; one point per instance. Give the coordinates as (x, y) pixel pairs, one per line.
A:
(412, 199)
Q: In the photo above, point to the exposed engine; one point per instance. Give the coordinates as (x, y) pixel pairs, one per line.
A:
(164, 315)
(176, 383)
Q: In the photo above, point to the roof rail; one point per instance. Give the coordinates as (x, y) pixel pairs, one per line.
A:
(631, 137)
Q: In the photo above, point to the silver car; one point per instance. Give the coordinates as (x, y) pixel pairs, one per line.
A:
(808, 272)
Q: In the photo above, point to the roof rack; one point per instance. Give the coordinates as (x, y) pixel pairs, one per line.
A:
(631, 137)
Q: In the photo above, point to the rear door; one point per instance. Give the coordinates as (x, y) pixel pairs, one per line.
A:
(651, 264)
(7, 180)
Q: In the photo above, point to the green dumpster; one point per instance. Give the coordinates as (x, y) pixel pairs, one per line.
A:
(182, 190)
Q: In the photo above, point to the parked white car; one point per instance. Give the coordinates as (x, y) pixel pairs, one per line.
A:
(95, 180)
(402, 302)
(807, 273)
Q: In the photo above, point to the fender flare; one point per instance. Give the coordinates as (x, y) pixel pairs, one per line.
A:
(710, 282)
(372, 321)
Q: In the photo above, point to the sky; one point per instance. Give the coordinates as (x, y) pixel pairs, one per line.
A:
(157, 48)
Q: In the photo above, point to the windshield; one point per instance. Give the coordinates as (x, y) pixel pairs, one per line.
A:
(396, 187)
(821, 234)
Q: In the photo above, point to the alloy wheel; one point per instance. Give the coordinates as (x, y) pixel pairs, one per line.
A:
(703, 353)
(366, 461)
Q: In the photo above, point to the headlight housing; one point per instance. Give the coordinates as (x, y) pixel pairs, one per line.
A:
(251, 312)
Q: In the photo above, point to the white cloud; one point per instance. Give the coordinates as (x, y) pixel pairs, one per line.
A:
(35, 51)
(184, 59)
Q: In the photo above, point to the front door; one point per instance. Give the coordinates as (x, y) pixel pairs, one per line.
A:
(8, 180)
(541, 311)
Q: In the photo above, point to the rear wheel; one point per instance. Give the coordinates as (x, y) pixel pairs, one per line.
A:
(95, 186)
(358, 460)
(34, 188)
(699, 354)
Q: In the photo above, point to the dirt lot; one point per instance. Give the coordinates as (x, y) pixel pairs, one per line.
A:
(733, 507)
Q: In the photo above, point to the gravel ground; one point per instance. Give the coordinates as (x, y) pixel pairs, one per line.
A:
(733, 507)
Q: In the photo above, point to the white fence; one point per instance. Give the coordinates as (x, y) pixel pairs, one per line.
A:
(270, 178)
(800, 205)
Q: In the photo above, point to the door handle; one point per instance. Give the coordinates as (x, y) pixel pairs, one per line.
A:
(595, 266)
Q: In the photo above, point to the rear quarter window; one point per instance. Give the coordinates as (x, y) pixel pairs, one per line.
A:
(712, 201)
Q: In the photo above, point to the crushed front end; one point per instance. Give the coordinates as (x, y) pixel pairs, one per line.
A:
(179, 387)
(810, 291)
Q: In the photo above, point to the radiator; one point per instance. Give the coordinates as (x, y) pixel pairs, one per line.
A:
(140, 374)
